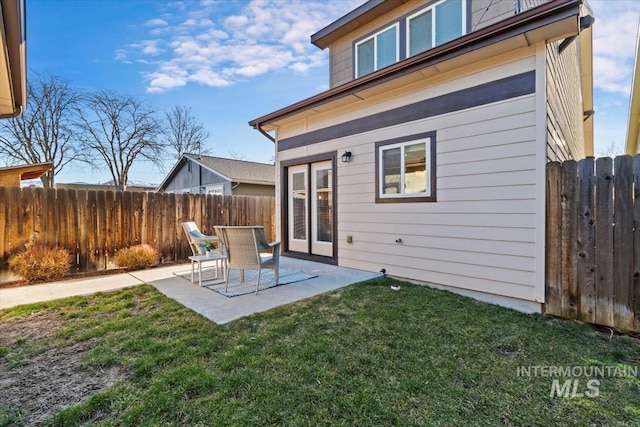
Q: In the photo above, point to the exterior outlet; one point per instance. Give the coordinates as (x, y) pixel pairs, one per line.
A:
(349, 239)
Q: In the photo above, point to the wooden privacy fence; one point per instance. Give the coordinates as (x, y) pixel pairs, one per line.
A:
(593, 241)
(93, 225)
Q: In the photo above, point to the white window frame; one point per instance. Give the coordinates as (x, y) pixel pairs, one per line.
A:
(432, 7)
(428, 173)
(215, 189)
(375, 47)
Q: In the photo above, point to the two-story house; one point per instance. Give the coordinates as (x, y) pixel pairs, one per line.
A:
(426, 157)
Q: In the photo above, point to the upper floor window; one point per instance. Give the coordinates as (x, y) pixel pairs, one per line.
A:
(438, 24)
(377, 51)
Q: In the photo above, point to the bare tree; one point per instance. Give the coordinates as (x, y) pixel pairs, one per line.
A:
(43, 133)
(117, 130)
(183, 134)
(237, 155)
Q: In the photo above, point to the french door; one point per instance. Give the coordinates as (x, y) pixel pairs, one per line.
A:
(310, 208)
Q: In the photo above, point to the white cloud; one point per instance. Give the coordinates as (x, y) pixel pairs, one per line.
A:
(156, 23)
(206, 44)
(614, 43)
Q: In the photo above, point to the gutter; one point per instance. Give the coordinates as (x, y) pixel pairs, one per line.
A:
(258, 126)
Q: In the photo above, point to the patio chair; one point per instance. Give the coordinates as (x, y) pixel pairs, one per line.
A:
(244, 247)
(197, 240)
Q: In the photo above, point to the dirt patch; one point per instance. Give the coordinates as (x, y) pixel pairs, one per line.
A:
(57, 378)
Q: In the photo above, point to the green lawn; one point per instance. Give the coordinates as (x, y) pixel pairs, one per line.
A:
(361, 356)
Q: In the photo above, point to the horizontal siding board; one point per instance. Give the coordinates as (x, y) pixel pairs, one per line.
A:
(498, 234)
(525, 177)
(511, 276)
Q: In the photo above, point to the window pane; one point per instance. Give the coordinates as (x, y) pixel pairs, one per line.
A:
(323, 209)
(391, 171)
(386, 49)
(420, 34)
(415, 168)
(448, 21)
(299, 206)
(364, 55)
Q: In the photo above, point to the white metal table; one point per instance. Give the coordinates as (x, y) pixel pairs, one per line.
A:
(199, 259)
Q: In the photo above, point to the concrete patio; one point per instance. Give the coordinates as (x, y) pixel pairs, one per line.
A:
(210, 304)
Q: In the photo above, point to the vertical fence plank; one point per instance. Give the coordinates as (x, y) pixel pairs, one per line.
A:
(604, 241)
(30, 231)
(586, 241)
(635, 306)
(83, 238)
(50, 234)
(101, 229)
(92, 230)
(623, 242)
(553, 300)
(61, 206)
(72, 229)
(569, 275)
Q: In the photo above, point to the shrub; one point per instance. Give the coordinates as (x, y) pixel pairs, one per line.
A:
(41, 263)
(137, 257)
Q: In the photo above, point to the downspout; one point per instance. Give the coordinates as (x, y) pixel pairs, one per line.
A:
(262, 131)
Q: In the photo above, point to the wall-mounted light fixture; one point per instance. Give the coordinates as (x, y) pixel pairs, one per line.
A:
(346, 157)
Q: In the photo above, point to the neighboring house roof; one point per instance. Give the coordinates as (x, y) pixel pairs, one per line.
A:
(233, 170)
(13, 74)
(633, 124)
(550, 21)
(11, 176)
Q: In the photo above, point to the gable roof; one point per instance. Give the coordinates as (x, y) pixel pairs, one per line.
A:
(239, 171)
(549, 21)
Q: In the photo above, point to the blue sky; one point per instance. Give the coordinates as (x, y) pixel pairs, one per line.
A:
(233, 61)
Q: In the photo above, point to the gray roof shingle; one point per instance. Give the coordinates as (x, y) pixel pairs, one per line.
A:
(238, 170)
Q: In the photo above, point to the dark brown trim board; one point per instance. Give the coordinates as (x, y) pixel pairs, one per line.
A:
(432, 168)
(486, 93)
(284, 206)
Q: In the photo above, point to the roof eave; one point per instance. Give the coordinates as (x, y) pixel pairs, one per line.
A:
(530, 20)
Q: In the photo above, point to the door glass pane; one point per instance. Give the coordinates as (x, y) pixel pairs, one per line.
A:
(324, 206)
(299, 201)
(415, 168)
(448, 21)
(365, 58)
(420, 33)
(391, 170)
(386, 48)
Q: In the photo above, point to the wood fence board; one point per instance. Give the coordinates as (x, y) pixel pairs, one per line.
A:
(101, 229)
(83, 238)
(4, 195)
(636, 242)
(14, 238)
(92, 227)
(569, 275)
(623, 242)
(127, 219)
(553, 255)
(604, 241)
(586, 241)
(62, 203)
(28, 221)
(136, 204)
(73, 237)
(50, 234)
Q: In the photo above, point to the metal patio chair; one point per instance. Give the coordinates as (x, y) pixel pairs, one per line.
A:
(245, 249)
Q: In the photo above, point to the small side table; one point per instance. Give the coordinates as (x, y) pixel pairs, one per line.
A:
(199, 259)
